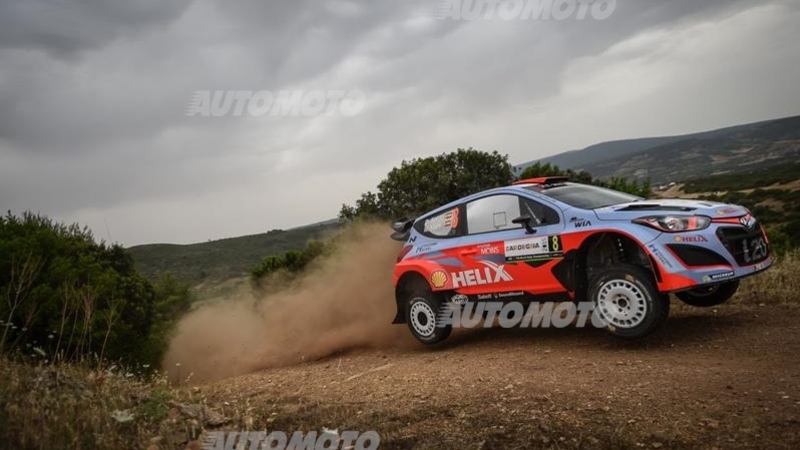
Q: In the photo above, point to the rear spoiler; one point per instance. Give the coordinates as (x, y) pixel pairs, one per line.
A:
(402, 228)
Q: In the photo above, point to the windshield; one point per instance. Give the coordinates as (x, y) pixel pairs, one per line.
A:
(586, 196)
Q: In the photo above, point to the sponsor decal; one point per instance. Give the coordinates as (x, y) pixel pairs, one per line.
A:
(696, 238)
(459, 299)
(492, 273)
(438, 278)
(760, 266)
(501, 295)
(718, 276)
(529, 249)
(490, 249)
(424, 248)
(442, 222)
(582, 223)
(726, 211)
(510, 294)
(659, 256)
(412, 239)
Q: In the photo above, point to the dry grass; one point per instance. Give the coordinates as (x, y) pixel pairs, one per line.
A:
(70, 406)
(46, 407)
(778, 285)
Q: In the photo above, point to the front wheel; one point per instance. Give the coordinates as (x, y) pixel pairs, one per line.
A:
(706, 297)
(627, 301)
(422, 315)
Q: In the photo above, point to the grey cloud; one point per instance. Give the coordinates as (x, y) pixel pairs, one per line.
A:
(63, 27)
(92, 94)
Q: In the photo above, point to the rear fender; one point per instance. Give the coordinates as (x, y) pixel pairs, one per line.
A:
(408, 283)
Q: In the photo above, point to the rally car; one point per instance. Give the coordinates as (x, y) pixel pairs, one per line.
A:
(548, 239)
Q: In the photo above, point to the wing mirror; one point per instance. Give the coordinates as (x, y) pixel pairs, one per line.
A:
(526, 222)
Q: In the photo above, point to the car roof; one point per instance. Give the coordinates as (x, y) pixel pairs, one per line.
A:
(530, 187)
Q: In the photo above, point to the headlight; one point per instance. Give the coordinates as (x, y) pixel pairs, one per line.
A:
(675, 224)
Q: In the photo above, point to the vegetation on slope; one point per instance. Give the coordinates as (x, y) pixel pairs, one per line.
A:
(753, 146)
(772, 195)
(748, 179)
(217, 261)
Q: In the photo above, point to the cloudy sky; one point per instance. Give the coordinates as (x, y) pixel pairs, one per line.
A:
(93, 96)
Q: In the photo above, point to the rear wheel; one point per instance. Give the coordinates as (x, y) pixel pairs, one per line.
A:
(627, 301)
(706, 297)
(423, 317)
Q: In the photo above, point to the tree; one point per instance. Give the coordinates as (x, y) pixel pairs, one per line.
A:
(551, 170)
(540, 169)
(70, 297)
(631, 187)
(425, 183)
(617, 183)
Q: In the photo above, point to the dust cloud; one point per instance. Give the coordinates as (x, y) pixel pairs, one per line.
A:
(344, 301)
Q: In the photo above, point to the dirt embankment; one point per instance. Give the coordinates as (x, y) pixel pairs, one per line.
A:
(709, 379)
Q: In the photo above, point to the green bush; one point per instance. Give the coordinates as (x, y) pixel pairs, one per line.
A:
(292, 261)
(68, 297)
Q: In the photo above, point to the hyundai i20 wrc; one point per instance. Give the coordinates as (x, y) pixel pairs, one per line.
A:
(549, 240)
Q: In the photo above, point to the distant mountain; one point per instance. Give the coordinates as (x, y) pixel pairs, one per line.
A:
(575, 159)
(683, 157)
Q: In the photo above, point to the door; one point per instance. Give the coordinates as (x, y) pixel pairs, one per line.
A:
(500, 255)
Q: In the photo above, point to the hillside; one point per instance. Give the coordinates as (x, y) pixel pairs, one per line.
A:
(605, 150)
(225, 258)
(664, 159)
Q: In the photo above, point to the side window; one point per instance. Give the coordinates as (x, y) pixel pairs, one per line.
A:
(442, 225)
(541, 214)
(492, 213)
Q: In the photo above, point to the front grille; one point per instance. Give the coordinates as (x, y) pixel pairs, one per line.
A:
(693, 256)
(747, 245)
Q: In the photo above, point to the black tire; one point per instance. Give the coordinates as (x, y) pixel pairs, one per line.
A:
(627, 302)
(709, 296)
(422, 313)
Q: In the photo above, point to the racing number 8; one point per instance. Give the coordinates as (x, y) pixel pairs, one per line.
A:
(555, 244)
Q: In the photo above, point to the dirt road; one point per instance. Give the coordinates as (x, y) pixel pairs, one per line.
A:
(723, 378)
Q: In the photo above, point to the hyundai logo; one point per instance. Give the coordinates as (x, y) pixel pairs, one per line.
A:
(747, 221)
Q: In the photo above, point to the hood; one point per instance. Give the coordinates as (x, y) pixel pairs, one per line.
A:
(669, 206)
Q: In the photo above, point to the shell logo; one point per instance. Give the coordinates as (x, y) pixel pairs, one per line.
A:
(438, 278)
